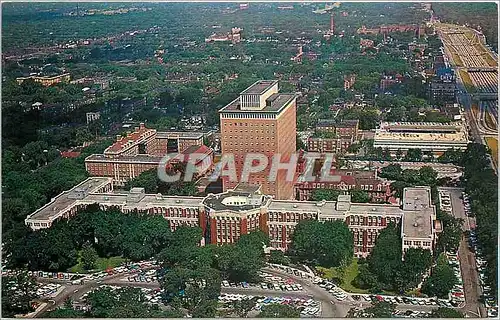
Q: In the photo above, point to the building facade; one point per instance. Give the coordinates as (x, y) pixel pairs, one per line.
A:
(46, 81)
(378, 189)
(142, 150)
(224, 217)
(261, 120)
(426, 136)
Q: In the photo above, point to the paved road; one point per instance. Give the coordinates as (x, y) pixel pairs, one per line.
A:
(329, 309)
(472, 289)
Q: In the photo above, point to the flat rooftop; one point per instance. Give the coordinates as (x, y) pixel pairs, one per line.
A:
(140, 158)
(260, 87)
(325, 207)
(281, 100)
(421, 126)
(179, 135)
(63, 200)
(417, 198)
(459, 137)
(417, 224)
(149, 200)
(219, 201)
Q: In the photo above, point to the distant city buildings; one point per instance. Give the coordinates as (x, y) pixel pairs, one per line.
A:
(426, 136)
(46, 80)
(234, 36)
(349, 81)
(388, 81)
(261, 120)
(385, 29)
(93, 116)
(333, 137)
(224, 217)
(442, 87)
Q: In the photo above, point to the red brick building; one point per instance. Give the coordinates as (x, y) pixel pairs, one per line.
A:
(261, 120)
(378, 189)
(224, 217)
(142, 150)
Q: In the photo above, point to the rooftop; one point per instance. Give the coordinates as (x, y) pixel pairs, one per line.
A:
(179, 135)
(69, 197)
(421, 126)
(234, 201)
(140, 158)
(280, 101)
(131, 139)
(419, 212)
(260, 87)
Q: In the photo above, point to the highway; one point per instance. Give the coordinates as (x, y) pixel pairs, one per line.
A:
(464, 55)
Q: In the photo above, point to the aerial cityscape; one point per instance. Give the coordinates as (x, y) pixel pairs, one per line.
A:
(250, 160)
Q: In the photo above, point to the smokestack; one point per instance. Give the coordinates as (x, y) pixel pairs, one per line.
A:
(332, 24)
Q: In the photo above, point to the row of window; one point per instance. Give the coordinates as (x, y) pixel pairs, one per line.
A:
(248, 115)
(417, 243)
(246, 124)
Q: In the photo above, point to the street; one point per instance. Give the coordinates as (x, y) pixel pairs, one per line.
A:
(472, 289)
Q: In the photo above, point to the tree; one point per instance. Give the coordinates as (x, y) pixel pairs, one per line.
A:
(381, 309)
(242, 307)
(427, 176)
(18, 292)
(88, 256)
(359, 196)
(125, 302)
(385, 259)
(441, 280)
(449, 239)
(391, 172)
(328, 244)
(278, 257)
(276, 310)
(300, 144)
(442, 312)
(325, 194)
(365, 278)
(413, 155)
(416, 263)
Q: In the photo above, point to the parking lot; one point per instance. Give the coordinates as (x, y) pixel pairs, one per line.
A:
(49, 290)
(307, 307)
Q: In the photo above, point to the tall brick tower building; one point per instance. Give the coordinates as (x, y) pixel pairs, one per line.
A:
(260, 120)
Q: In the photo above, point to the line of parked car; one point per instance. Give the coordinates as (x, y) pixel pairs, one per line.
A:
(143, 276)
(466, 201)
(489, 300)
(457, 292)
(411, 314)
(47, 289)
(338, 293)
(307, 307)
(270, 283)
(445, 201)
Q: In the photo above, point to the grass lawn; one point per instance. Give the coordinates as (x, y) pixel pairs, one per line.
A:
(350, 272)
(493, 145)
(101, 265)
(469, 86)
(489, 121)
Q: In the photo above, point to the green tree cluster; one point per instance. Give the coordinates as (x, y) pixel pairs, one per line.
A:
(441, 280)
(327, 244)
(385, 268)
